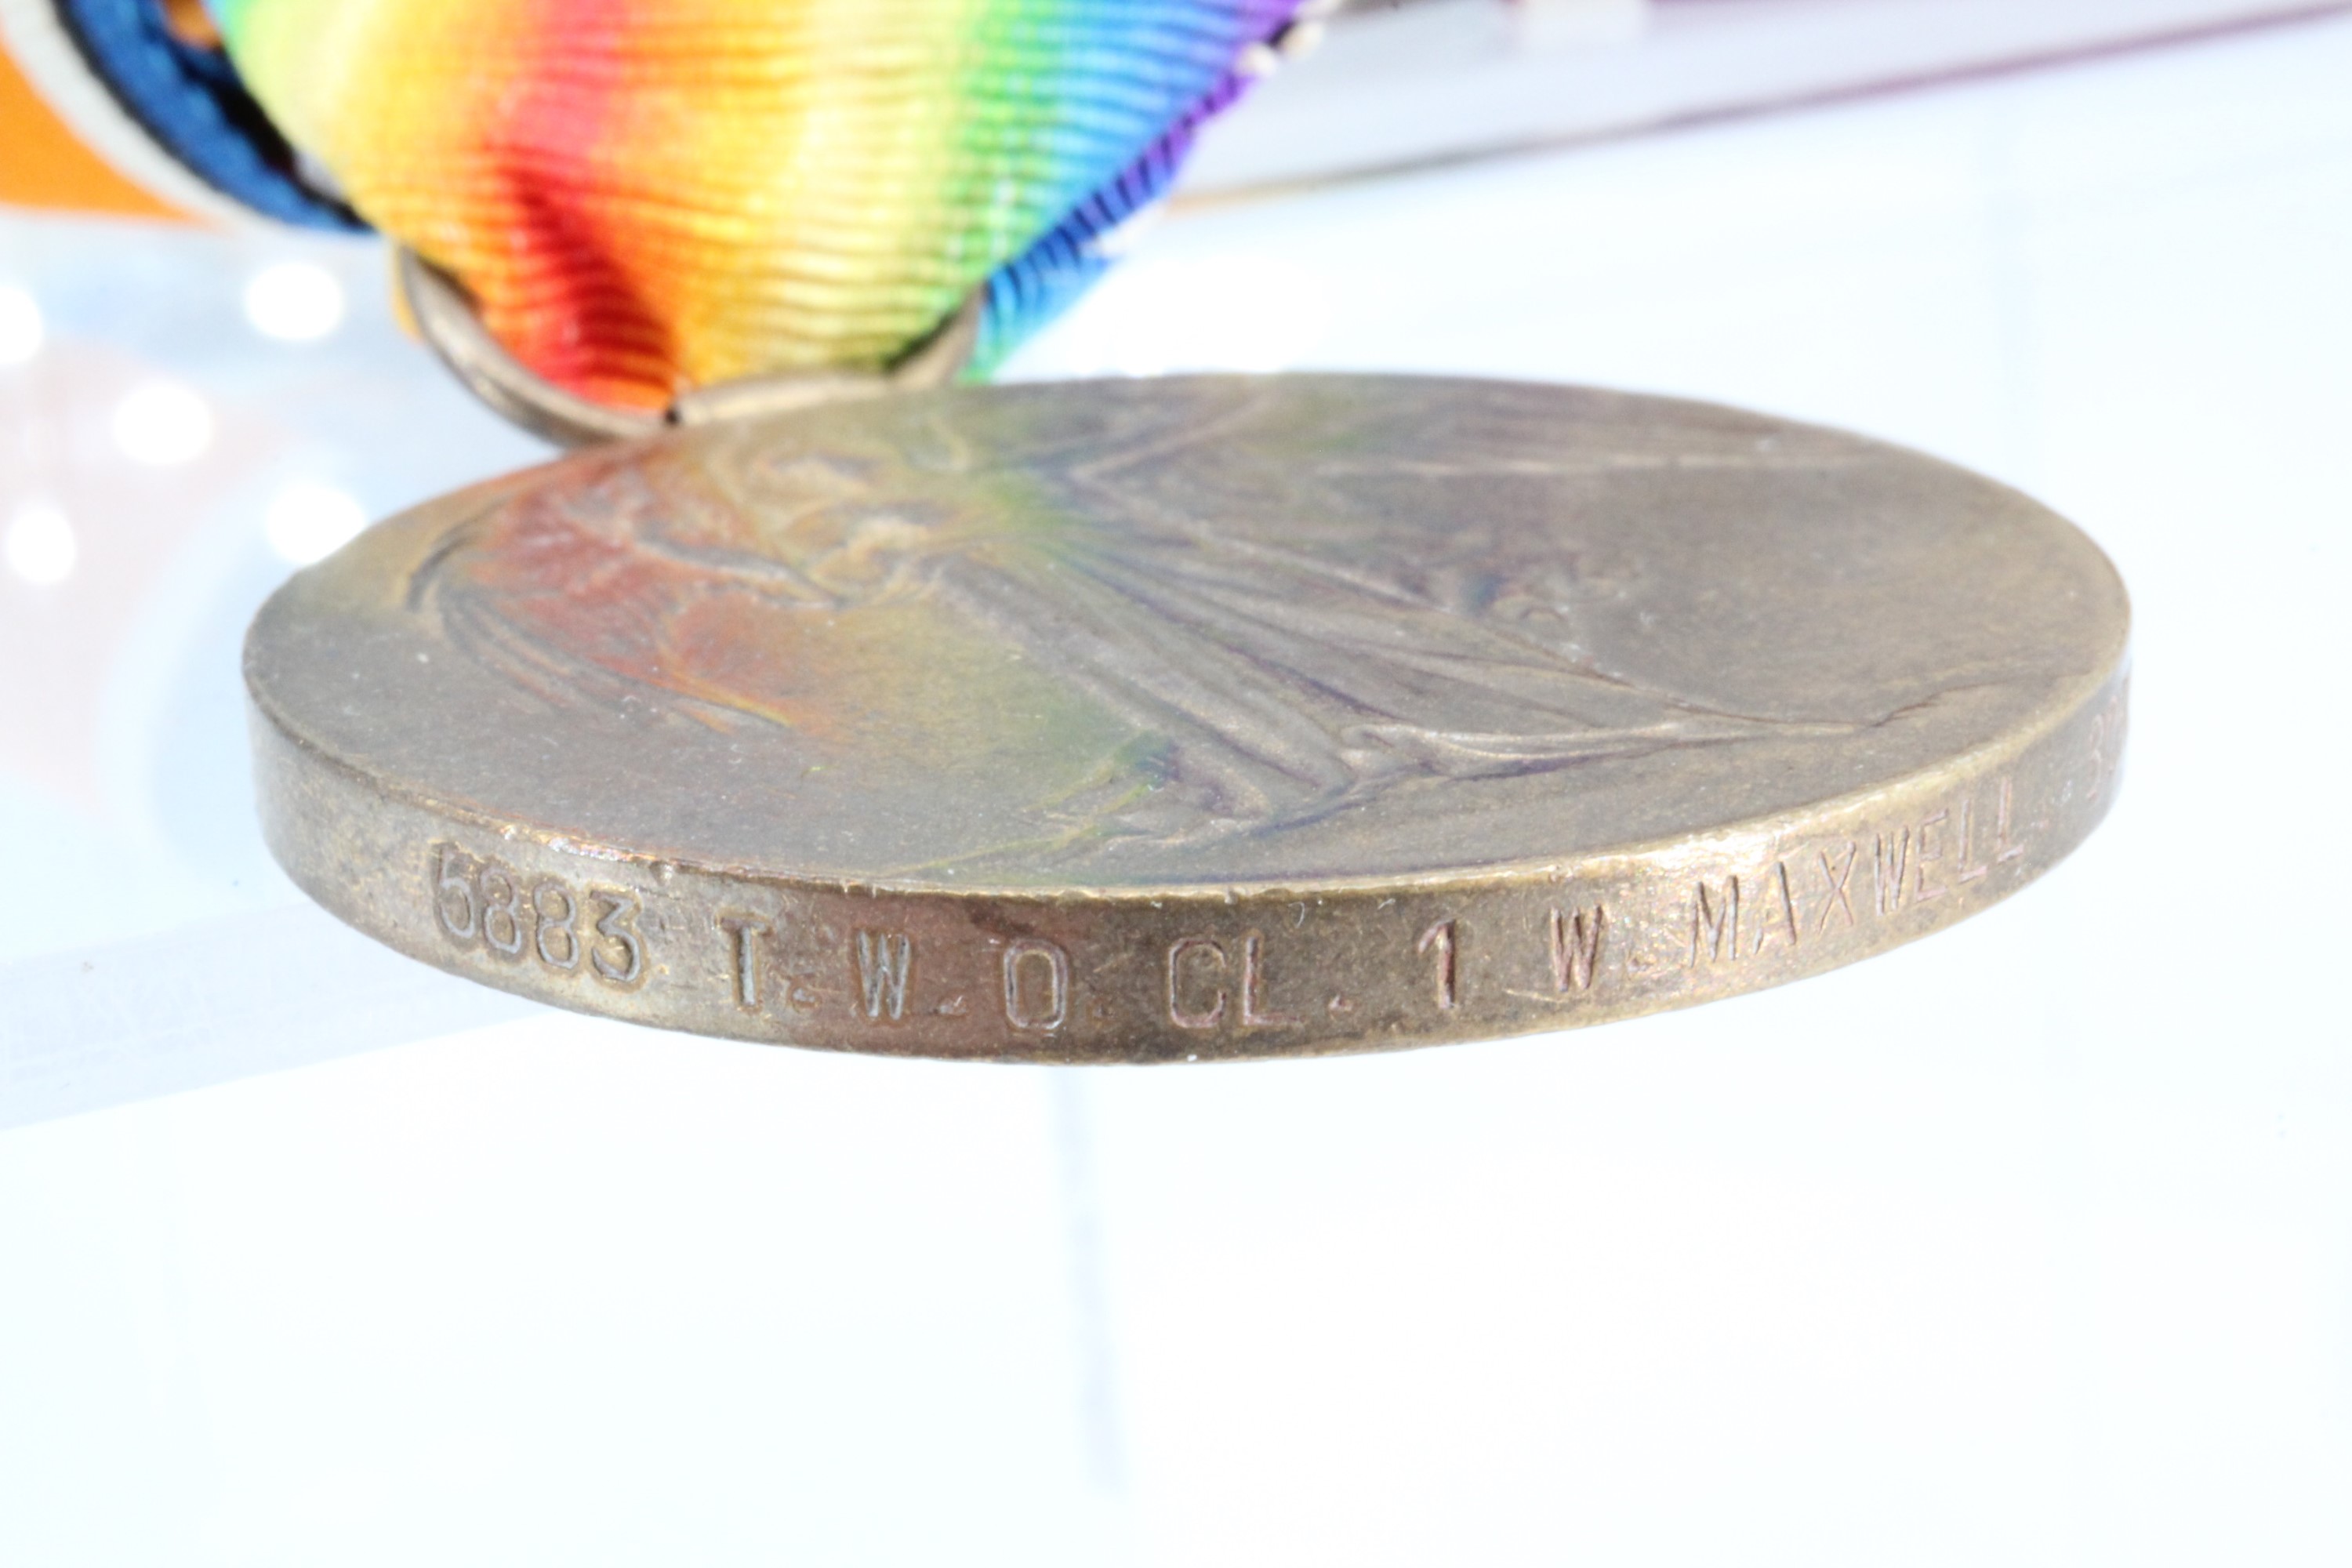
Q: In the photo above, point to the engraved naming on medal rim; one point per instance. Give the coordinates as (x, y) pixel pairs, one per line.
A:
(1181, 720)
(1215, 983)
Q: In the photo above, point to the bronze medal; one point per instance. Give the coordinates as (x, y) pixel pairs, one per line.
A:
(1189, 719)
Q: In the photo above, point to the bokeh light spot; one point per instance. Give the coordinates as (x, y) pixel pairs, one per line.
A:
(294, 301)
(161, 422)
(308, 521)
(20, 325)
(39, 544)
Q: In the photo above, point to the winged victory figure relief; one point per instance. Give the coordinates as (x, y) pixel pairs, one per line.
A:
(1286, 636)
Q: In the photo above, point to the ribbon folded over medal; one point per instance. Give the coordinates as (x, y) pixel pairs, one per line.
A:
(645, 196)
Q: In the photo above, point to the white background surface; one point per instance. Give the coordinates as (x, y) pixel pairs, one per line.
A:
(2030, 1244)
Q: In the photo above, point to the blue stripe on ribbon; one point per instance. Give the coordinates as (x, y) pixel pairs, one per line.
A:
(1033, 288)
(190, 101)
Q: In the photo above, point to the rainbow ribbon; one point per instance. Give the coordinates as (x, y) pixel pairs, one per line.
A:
(644, 196)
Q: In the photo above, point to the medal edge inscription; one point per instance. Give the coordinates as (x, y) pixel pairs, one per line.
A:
(1193, 974)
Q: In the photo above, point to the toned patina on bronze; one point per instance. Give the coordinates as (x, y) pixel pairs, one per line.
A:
(1191, 718)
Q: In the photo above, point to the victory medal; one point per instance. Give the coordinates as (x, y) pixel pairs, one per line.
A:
(1189, 719)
